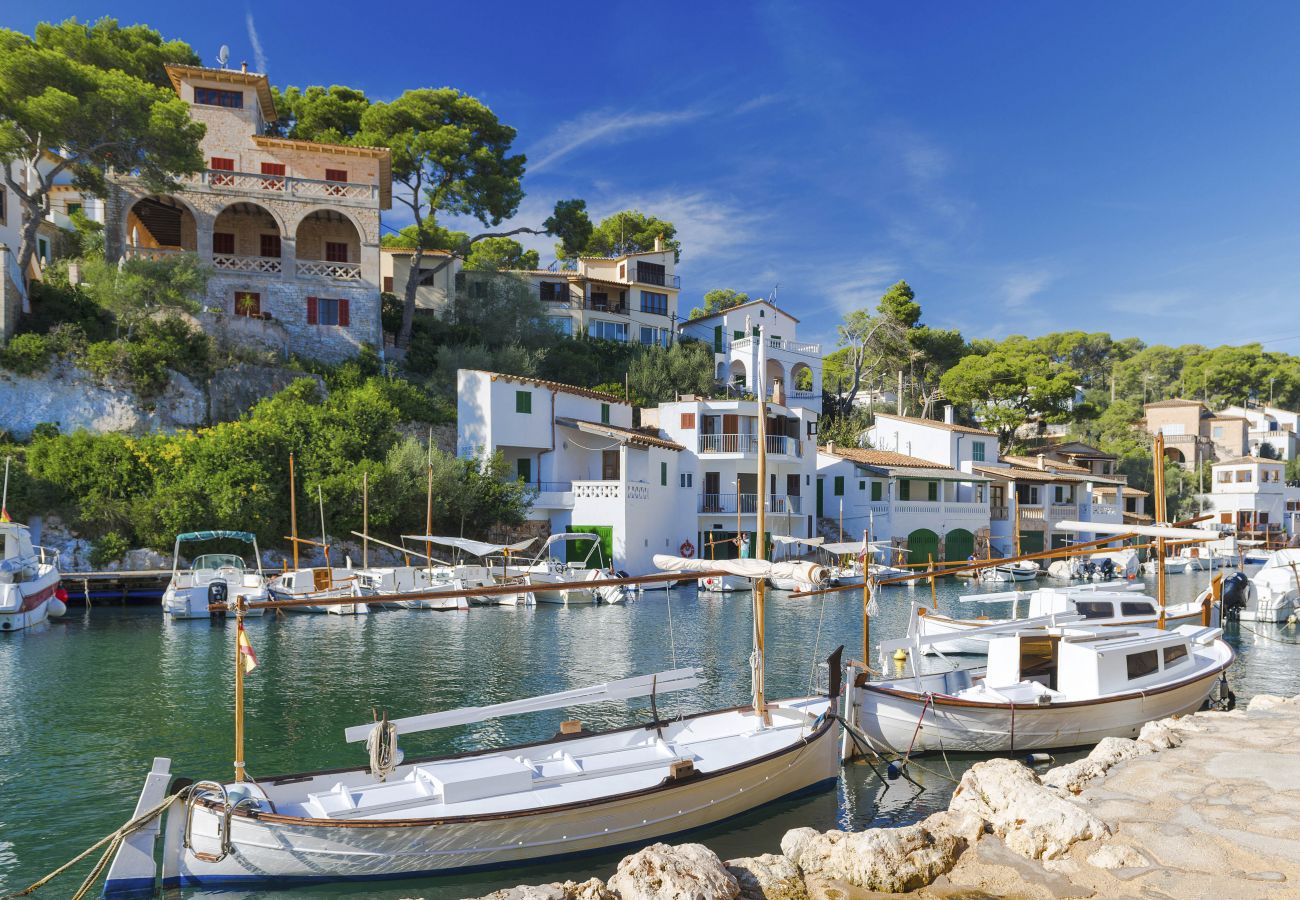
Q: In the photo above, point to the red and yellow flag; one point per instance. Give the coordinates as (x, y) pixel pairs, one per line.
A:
(4, 515)
(246, 654)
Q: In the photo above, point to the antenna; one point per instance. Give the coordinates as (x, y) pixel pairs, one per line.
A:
(223, 55)
(771, 298)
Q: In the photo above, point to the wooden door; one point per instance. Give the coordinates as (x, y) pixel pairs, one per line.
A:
(609, 465)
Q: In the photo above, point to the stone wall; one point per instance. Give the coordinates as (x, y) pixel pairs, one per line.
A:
(11, 300)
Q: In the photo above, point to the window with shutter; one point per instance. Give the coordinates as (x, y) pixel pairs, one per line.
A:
(839, 485)
(221, 164)
(604, 413)
(904, 489)
(523, 402)
(275, 179)
(688, 420)
(932, 490)
(339, 175)
(311, 310)
(877, 490)
(663, 474)
(388, 284)
(336, 251)
(345, 316)
(223, 243)
(270, 246)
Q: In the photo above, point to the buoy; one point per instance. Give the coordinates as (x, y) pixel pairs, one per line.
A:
(1037, 759)
(900, 655)
(1291, 620)
(893, 770)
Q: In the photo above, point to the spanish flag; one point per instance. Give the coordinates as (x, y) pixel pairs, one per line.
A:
(4, 515)
(246, 654)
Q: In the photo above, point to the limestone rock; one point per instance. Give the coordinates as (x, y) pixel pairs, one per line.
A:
(1264, 701)
(591, 889)
(1074, 777)
(1034, 821)
(885, 859)
(1159, 735)
(682, 872)
(1117, 856)
(144, 561)
(767, 877)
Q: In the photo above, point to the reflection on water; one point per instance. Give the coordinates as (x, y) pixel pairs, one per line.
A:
(93, 698)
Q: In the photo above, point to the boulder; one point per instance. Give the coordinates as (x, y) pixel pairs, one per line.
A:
(682, 872)
(1074, 777)
(591, 889)
(1032, 819)
(145, 561)
(1264, 701)
(1117, 856)
(1159, 735)
(767, 877)
(885, 859)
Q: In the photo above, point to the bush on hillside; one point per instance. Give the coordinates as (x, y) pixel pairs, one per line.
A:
(26, 354)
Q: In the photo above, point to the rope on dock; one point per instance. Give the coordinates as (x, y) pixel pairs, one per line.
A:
(1258, 634)
(113, 840)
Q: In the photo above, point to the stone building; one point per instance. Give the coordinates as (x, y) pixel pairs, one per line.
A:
(290, 228)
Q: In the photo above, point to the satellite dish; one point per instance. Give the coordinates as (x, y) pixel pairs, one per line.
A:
(223, 55)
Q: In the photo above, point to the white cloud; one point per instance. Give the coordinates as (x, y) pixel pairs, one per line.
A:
(601, 127)
(259, 58)
(1019, 288)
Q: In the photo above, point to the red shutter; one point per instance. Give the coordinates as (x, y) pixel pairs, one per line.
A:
(223, 164)
(272, 168)
(388, 284)
(344, 321)
(311, 310)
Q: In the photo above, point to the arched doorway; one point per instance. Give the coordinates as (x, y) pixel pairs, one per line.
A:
(801, 378)
(1175, 455)
(160, 225)
(922, 545)
(246, 238)
(773, 373)
(328, 245)
(737, 375)
(958, 544)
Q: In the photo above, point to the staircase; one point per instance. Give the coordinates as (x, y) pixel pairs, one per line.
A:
(161, 221)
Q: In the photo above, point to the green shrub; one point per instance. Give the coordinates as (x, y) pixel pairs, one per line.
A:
(108, 549)
(143, 361)
(26, 354)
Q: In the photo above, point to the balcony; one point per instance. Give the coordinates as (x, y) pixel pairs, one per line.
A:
(257, 265)
(1064, 511)
(618, 309)
(1032, 514)
(610, 490)
(658, 279)
(791, 504)
(711, 504)
(335, 271)
(779, 343)
(1101, 511)
(310, 188)
(777, 444)
(998, 513)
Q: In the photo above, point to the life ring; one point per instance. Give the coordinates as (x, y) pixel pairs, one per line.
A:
(687, 549)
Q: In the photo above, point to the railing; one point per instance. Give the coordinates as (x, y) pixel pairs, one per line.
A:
(565, 299)
(1104, 509)
(748, 443)
(265, 265)
(964, 508)
(154, 252)
(611, 490)
(726, 503)
(779, 343)
(284, 184)
(656, 278)
(1034, 513)
(998, 513)
(1064, 510)
(805, 395)
(619, 309)
(786, 503)
(551, 487)
(910, 507)
(654, 309)
(339, 271)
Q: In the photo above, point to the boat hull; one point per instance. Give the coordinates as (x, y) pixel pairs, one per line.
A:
(724, 584)
(889, 719)
(284, 850)
(26, 604)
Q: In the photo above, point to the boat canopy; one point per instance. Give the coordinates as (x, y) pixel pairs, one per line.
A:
(473, 548)
(744, 568)
(570, 536)
(841, 547)
(807, 542)
(245, 536)
(1164, 531)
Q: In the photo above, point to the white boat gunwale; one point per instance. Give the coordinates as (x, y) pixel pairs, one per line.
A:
(824, 724)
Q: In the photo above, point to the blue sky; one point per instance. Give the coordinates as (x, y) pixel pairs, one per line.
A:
(1027, 167)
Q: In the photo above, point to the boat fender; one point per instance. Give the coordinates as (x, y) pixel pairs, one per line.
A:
(1037, 759)
(56, 607)
(900, 655)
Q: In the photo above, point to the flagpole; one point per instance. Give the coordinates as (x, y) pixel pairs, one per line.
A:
(293, 514)
(4, 498)
(239, 687)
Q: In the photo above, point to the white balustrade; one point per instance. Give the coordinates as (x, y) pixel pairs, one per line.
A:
(249, 182)
(338, 271)
(265, 265)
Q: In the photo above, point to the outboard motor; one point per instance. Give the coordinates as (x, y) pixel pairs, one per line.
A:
(1090, 568)
(1107, 567)
(217, 596)
(1236, 591)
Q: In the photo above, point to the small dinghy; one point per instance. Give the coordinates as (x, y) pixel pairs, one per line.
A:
(214, 582)
(29, 580)
(1116, 604)
(321, 583)
(792, 583)
(1025, 570)
(1049, 683)
(1272, 595)
(547, 570)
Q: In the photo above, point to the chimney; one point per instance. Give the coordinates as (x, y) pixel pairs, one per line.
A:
(947, 414)
(243, 66)
(830, 446)
(659, 243)
(1042, 461)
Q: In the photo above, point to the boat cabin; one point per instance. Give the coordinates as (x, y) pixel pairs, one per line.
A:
(1069, 664)
(1093, 604)
(21, 559)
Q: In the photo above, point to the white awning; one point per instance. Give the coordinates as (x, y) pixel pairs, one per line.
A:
(1164, 531)
(473, 548)
(839, 549)
(745, 568)
(786, 539)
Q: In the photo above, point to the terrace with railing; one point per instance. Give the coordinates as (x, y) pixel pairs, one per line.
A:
(271, 185)
(777, 444)
(711, 504)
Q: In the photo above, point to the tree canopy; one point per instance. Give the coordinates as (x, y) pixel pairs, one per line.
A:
(629, 231)
(498, 254)
(331, 115)
(659, 374)
(98, 95)
(717, 300)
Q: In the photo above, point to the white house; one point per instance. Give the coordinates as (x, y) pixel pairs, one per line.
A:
(1035, 494)
(741, 354)
(591, 471)
(1251, 494)
(1279, 428)
(947, 443)
(931, 510)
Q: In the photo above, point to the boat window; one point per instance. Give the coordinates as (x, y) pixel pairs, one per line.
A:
(1038, 660)
(1175, 654)
(1094, 609)
(1137, 609)
(1142, 664)
(210, 562)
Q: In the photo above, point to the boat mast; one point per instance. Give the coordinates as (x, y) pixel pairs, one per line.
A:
(1158, 452)
(866, 600)
(4, 497)
(365, 520)
(760, 538)
(239, 686)
(293, 514)
(428, 515)
(1015, 521)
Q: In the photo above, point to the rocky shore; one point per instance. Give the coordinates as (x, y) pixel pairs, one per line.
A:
(1205, 805)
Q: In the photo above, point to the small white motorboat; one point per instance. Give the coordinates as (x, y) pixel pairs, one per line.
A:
(1116, 604)
(1048, 684)
(724, 584)
(547, 570)
(1272, 595)
(29, 580)
(213, 580)
(320, 583)
(1025, 570)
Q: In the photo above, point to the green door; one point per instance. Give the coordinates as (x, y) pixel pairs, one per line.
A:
(1031, 542)
(958, 544)
(576, 551)
(922, 545)
(820, 482)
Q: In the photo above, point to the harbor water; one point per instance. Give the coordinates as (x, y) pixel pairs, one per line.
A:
(91, 699)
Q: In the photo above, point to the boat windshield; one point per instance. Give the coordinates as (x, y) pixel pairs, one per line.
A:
(211, 562)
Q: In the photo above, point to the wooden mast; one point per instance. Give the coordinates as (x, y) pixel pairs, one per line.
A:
(1158, 462)
(760, 551)
(239, 687)
(866, 598)
(293, 514)
(365, 520)
(1015, 521)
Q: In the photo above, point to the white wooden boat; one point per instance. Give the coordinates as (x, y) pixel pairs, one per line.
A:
(29, 580)
(791, 583)
(490, 566)
(213, 579)
(412, 579)
(849, 556)
(547, 570)
(724, 584)
(1026, 570)
(1174, 565)
(575, 793)
(1046, 685)
(320, 583)
(1115, 604)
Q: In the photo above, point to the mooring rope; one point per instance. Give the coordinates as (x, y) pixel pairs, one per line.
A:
(113, 841)
(1260, 634)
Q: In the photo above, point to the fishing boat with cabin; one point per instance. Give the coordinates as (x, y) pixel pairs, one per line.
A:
(29, 574)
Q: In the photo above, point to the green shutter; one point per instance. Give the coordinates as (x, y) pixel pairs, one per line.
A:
(932, 490)
(524, 468)
(839, 485)
(523, 401)
(876, 490)
(663, 473)
(717, 338)
(904, 489)
(604, 413)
